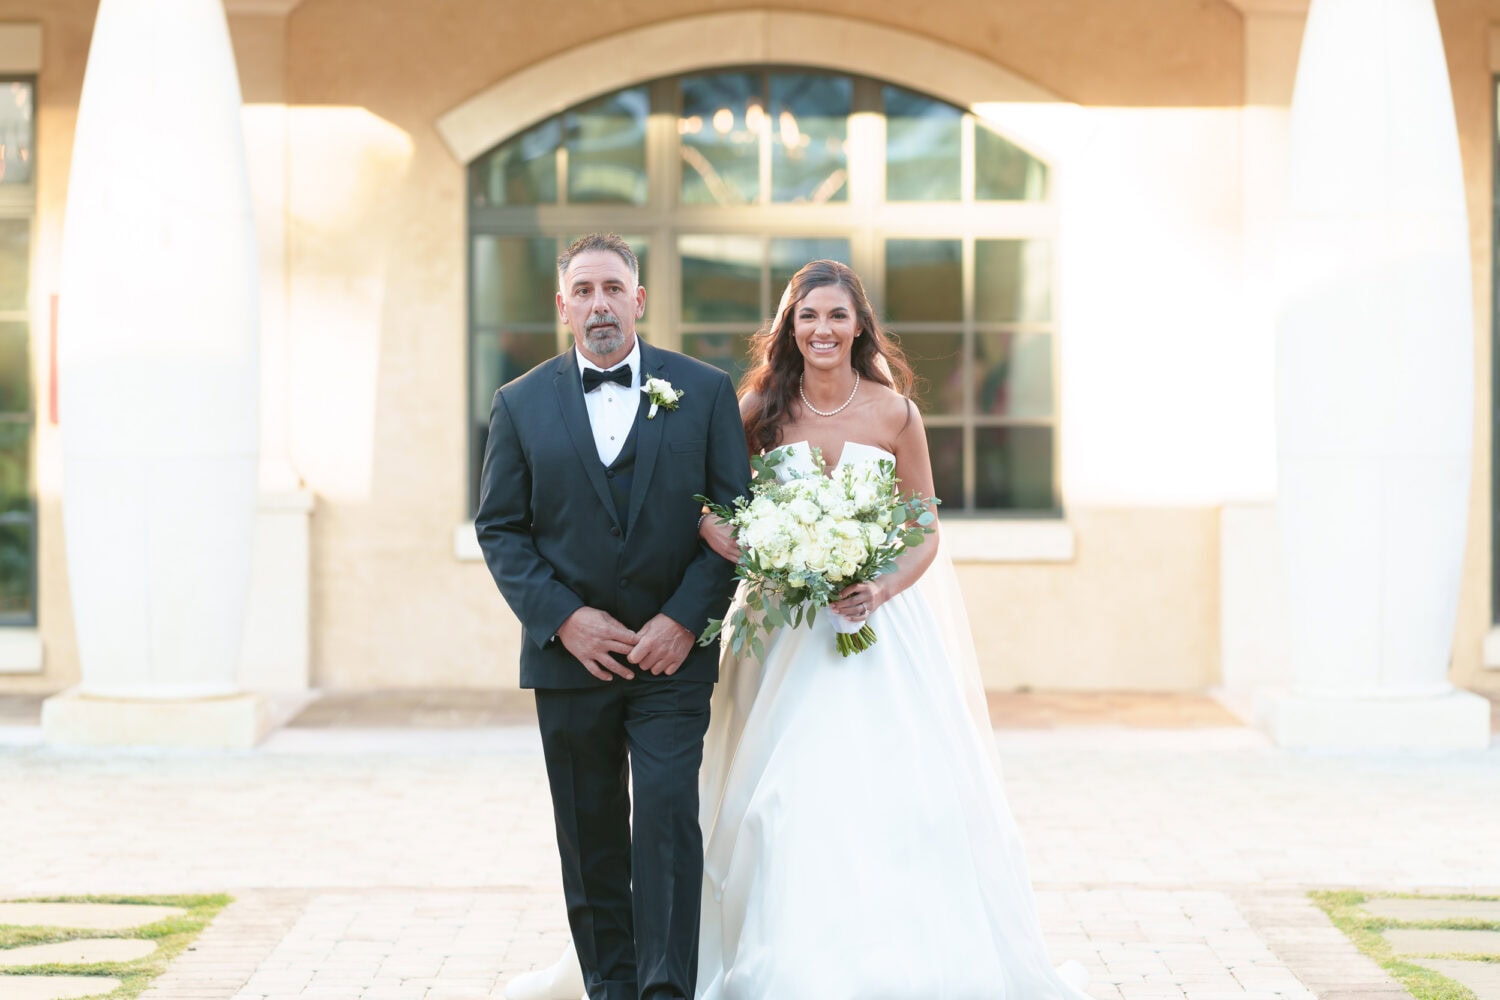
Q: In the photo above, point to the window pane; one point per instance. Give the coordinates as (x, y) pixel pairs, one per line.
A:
(16, 132)
(643, 259)
(1004, 171)
(523, 171)
(946, 445)
(515, 280)
(1013, 374)
(923, 147)
(15, 264)
(15, 375)
(723, 116)
(15, 568)
(499, 357)
(1013, 468)
(729, 351)
(924, 281)
(937, 359)
(810, 128)
(15, 467)
(721, 279)
(607, 149)
(1012, 281)
(638, 244)
(788, 256)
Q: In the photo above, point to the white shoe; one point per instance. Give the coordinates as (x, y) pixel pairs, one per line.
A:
(562, 981)
(1073, 974)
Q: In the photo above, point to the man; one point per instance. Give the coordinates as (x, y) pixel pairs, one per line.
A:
(588, 523)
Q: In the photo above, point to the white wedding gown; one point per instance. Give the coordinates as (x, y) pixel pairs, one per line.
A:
(858, 843)
(857, 840)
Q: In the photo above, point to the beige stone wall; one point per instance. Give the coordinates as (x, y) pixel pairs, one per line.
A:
(374, 316)
(1137, 609)
(392, 606)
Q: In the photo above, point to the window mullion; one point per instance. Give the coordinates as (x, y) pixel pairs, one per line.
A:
(663, 156)
(966, 165)
(866, 148)
(763, 141)
(971, 453)
(663, 171)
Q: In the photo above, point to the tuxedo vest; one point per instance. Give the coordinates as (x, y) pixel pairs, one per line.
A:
(620, 474)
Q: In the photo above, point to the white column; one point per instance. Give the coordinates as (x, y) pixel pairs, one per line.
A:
(1375, 376)
(158, 382)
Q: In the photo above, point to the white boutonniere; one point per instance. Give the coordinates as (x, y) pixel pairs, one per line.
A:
(661, 394)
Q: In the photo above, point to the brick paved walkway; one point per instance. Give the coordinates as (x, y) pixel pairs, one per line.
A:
(396, 863)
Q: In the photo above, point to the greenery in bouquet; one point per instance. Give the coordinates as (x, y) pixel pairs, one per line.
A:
(805, 540)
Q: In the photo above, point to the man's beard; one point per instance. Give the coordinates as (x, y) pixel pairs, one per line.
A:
(606, 338)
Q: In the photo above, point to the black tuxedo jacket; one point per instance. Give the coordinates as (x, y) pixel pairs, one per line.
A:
(550, 531)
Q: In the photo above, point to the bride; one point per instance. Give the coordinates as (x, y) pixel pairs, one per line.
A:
(858, 843)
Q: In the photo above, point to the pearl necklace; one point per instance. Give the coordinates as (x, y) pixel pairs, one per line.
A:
(801, 379)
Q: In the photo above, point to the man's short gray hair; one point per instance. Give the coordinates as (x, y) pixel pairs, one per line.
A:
(597, 241)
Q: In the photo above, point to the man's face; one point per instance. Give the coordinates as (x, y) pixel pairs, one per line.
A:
(600, 302)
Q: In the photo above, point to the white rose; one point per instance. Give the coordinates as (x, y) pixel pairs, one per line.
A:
(852, 553)
(814, 559)
(804, 510)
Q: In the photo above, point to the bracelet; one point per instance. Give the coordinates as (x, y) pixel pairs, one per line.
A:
(701, 517)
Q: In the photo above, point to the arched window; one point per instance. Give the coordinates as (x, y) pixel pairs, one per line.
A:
(726, 182)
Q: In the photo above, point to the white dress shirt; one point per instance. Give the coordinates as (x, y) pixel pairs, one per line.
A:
(612, 408)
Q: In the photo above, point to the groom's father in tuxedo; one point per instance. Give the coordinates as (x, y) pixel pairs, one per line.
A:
(588, 523)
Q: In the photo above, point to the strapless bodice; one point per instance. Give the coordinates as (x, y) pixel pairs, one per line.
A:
(799, 458)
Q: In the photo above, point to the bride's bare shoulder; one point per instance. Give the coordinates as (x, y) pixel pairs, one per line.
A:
(889, 411)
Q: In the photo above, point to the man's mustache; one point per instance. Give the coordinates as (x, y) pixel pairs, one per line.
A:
(601, 321)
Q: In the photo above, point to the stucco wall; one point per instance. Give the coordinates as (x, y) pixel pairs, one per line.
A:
(392, 606)
(374, 351)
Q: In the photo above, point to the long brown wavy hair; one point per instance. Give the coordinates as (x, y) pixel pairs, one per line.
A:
(776, 363)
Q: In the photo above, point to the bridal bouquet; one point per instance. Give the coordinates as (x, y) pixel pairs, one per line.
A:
(805, 540)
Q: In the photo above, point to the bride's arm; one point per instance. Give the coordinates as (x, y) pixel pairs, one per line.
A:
(720, 537)
(914, 469)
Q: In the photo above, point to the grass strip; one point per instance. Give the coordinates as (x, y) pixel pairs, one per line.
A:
(171, 934)
(1345, 910)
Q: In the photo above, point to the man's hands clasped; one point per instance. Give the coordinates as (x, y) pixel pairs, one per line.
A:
(591, 635)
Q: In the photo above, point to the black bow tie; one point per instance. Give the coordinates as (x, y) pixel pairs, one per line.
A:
(593, 378)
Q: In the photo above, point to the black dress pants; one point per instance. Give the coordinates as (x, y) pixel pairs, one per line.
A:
(633, 904)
